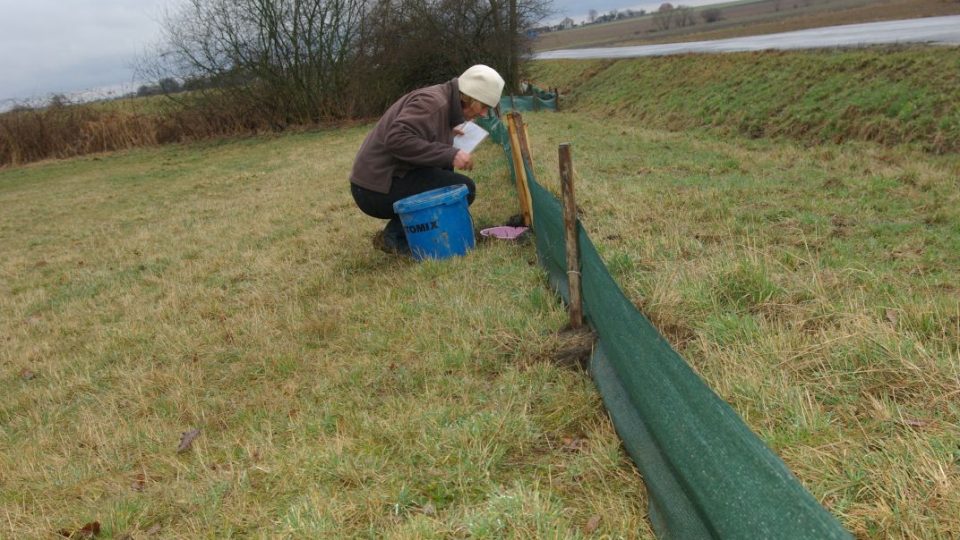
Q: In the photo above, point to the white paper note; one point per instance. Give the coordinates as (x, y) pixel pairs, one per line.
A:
(472, 136)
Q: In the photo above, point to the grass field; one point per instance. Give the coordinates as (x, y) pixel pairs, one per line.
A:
(339, 392)
(231, 288)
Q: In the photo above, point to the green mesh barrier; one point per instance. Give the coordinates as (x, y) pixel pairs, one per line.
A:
(528, 103)
(542, 94)
(707, 474)
(500, 135)
(497, 130)
(537, 100)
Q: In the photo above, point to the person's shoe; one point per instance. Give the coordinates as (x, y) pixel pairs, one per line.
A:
(387, 244)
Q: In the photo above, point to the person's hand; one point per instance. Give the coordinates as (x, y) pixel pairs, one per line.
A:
(463, 160)
(457, 131)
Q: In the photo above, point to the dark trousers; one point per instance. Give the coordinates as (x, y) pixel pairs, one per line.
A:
(380, 205)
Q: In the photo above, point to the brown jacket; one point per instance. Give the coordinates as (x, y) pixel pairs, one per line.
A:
(416, 131)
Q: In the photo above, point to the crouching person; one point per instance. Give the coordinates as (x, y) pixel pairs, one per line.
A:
(410, 150)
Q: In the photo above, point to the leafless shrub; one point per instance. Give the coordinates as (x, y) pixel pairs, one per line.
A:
(683, 17)
(663, 18)
(711, 15)
(64, 130)
(301, 61)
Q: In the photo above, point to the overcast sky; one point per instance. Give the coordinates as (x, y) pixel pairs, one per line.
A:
(64, 46)
(69, 46)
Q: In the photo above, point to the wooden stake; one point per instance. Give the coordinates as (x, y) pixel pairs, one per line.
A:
(515, 128)
(528, 159)
(524, 144)
(570, 226)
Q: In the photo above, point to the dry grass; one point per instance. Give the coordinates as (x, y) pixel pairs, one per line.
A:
(340, 392)
(69, 130)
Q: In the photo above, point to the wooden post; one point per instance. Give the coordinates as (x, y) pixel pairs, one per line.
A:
(526, 145)
(524, 141)
(570, 226)
(527, 158)
(515, 128)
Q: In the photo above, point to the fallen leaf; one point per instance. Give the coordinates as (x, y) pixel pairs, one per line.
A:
(155, 530)
(27, 375)
(429, 509)
(186, 440)
(139, 482)
(89, 530)
(573, 444)
(893, 316)
(592, 525)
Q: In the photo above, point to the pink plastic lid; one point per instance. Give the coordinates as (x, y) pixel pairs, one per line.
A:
(504, 232)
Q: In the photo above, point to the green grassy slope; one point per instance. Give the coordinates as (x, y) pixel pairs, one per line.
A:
(890, 96)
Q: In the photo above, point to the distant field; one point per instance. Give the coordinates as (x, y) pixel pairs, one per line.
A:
(747, 18)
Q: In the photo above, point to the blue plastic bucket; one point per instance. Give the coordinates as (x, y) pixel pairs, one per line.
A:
(437, 222)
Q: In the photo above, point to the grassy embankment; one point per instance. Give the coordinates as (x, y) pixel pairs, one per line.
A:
(340, 392)
(891, 96)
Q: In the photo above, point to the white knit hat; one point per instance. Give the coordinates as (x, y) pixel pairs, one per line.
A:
(482, 83)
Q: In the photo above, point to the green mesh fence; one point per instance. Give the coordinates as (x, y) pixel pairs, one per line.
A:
(528, 103)
(707, 474)
(497, 130)
(537, 100)
(498, 134)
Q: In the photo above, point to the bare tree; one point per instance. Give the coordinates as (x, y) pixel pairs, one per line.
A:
(663, 18)
(300, 61)
(592, 15)
(290, 57)
(683, 17)
(424, 40)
